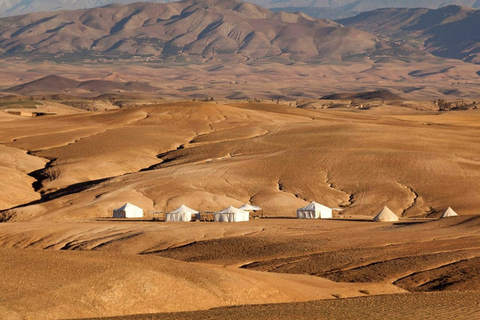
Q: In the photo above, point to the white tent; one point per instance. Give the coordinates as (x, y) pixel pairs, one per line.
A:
(249, 207)
(314, 210)
(231, 214)
(128, 210)
(385, 215)
(182, 213)
(448, 213)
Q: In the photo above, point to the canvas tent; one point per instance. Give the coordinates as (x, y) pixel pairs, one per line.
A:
(182, 213)
(249, 207)
(385, 215)
(314, 210)
(231, 214)
(128, 210)
(448, 213)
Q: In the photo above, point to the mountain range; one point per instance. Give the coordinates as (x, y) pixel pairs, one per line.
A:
(192, 31)
(316, 8)
(186, 30)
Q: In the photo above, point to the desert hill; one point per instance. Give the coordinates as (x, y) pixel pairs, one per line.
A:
(202, 29)
(54, 84)
(215, 155)
(446, 32)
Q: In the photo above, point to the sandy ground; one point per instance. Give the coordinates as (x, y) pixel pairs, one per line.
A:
(95, 269)
(265, 78)
(439, 305)
(62, 258)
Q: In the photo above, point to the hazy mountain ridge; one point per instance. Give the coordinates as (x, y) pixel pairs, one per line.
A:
(318, 8)
(203, 28)
(450, 32)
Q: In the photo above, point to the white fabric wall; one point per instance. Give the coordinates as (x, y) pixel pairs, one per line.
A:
(173, 217)
(231, 217)
(307, 214)
(323, 213)
(326, 213)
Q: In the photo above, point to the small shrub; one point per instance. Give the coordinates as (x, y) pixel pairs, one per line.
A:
(364, 292)
(7, 215)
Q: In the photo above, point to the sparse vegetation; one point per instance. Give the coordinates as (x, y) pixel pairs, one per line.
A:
(444, 105)
(7, 215)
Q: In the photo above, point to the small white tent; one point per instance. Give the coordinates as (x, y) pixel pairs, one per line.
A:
(182, 213)
(249, 207)
(231, 214)
(448, 213)
(314, 210)
(128, 210)
(385, 215)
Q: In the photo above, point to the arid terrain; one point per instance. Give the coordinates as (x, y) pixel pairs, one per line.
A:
(218, 103)
(64, 258)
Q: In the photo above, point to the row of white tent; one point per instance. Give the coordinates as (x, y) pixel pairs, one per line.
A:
(313, 210)
(185, 214)
(387, 215)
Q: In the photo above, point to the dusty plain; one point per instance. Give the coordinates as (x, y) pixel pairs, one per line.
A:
(62, 257)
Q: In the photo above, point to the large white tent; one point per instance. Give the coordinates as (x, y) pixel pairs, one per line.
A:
(182, 213)
(385, 215)
(249, 207)
(448, 213)
(314, 210)
(231, 214)
(128, 210)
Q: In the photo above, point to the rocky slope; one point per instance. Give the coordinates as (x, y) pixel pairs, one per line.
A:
(204, 28)
(450, 32)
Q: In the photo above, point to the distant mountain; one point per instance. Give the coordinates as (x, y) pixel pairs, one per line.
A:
(318, 8)
(55, 84)
(200, 29)
(451, 32)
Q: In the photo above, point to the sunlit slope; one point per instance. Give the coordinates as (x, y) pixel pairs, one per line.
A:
(210, 155)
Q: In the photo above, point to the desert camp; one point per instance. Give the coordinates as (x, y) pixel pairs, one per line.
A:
(231, 214)
(182, 213)
(314, 211)
(128, 210)
(448, 213)
(385, 215)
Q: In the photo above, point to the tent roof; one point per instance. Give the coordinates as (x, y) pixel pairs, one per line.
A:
(127, 205)
(249, 207)
(314, 205)
(449, 213)
(184, 209)
(232, 210)
(386, 215)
